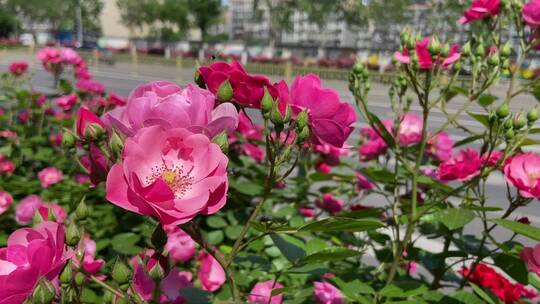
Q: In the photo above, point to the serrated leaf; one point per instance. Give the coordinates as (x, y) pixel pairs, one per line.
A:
(342, 224)
(454, 218)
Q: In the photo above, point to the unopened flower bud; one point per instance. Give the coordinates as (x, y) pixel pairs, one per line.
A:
(222, 141)
(288, 114)
(445, 49)
(466, 49)
(519, 121)
(44, 292)
(506, 50)
(121, 274)
(411, 43)
(197, 78)
(458, 65)
(225, 91)
(116, 144)
(82, 211)
(302, 120)
(434, 46)
(79, 279)
(156, 272)
(93, 132)
(358, 68)
(68, 139)
(304, 134)
(509, 134)
(494, 60)
(267, 103)
(480, 50)
(66, 275)
(508, 124)
(276, 117)
(532, 116)
(72, 235)
(503, 111)
(405, 36)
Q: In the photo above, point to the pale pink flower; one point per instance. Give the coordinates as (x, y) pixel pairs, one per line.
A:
(5, 201)
(66, 102)
(70, 56)
(362, 183)
(531, 257)
(25, 210)
(326, 293)
(410, 129)
(179, 244)
(481, 9)
(441, 146)
(211, 274)
(50, 176)
(523, 172)
(261, 293)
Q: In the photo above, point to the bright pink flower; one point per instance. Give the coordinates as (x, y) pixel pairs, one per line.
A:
(463, 166)
(531, 257)
(48, 56)
(307, 212)
(248, 90)
(58, 213)
(500, 286)
(96, 163)
(5, 201)
(31, 254)
(50, 176)
(412, 267)
(179, 244)
(90, 264)
(55, 139)
(330, 153)
(117, 99)
(211, 274)
(494, 158)
(171, 174)
(330, 119)
(7, 166)
(425, 59)
(250, 132)
(166, 104)
(523, 171)
(326, 293)
(481, 9)
(40, 100)
(410, 130)
(362, 183)
(23, 116)
(69, 56)
(90, 86)
(24, 213)
(18, 68)
(441, 146)
(85, 118)
(261, 293)
(82, 74)
(323, 168)
(66, 102)
(531, 13)
(372, 149)
(330, 204)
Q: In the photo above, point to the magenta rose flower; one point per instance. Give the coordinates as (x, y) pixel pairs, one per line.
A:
(90, 86)
(49, 57)
(66, 102)
(326, 293)
(50, 176)
(531, 13)
(7, 166)
(51, 211)
(90, 264)
(31, 254)
(425, 59)
(180, 245)
(166, 104)
(441, 146)
(261, 293)
(171, 174)
(531, 257)
(481, 9)
(85, 118)
(330, 204)
(18, 68)
(330, 118)
(307, 212)
(70, 56)
(25, 210)
(523, 172)
(410, 130)
(362, 183)
(211, 274)
(6, 200)
(463, 167)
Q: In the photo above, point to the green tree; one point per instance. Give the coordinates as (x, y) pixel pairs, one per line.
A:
(204, 14)
(8, 23)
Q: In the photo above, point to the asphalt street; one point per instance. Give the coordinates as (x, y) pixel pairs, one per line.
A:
(123, 77)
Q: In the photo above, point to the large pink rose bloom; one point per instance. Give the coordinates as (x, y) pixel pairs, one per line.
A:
(531, 13)
(31, 254)
(26, 209)
(531, 257)
(481, 9)
(50, 176)
(262, 291)
(5, 201)
(326, 293)
(410, 130)
(523, 171)
(441, 146)
(211, 274)
(463, 167)
(425, 60)
(329, 117)
(180, 245)
(166, 104)
(171, 174)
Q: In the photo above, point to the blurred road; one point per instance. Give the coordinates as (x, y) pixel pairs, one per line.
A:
(123, 77)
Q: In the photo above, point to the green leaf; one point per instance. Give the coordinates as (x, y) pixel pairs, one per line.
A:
(519, 228)
(486, 100)
(463, 297)
(536, 92)
(403, 289)
(468, 140)
(513, 266)
(233, 232)
(247, 188)
(485, 295)
(482, 118)
(328, 255)
(215, 237)
(290, 247)
(454, 218)
(484, 209)
(194, 295)
(342, 224)
(534, 280)
(388, 138)
(353, 287)
(124, 243)
(378, 174)
(454, 91)
(216, 222)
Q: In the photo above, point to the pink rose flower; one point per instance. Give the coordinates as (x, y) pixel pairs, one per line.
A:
(6, 200)
(261, 293)
(425, 60)
(330, 204)
(69, 56)
(362, 183)
(81, 179)
(481, 9)
(493, 159)
(463, 166)
(165, 104)
(58, 214)
(531, 13)
(49, 56)
(330, 119)
(171, 174)
(211, 274)
(55, 139)
(82, 73)
(372, 149)
(90, 264)
(326, 293)
(248, 90)
(323, 168)
(50, 176)
(531, 257)
(7, 166)
(31, 254)
(90, 86)
(441, 146)
(523, 172)
(331, 154)
(66, 102)
(179, 244)
(25, 210)
(307, 212)
(410, 130)
(23, 116)
(18, 68)
(85, 118)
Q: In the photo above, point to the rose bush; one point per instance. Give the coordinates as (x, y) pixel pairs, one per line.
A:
(235, 189)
